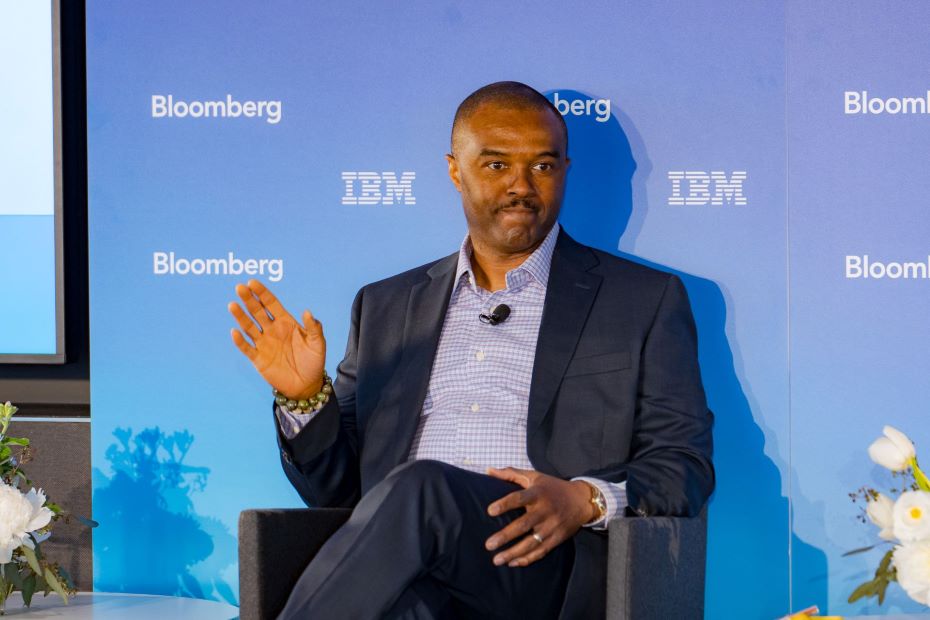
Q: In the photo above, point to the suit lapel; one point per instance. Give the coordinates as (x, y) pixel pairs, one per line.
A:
(426, 310)
(569, 296)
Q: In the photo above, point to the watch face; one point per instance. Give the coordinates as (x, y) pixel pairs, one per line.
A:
(601, 503)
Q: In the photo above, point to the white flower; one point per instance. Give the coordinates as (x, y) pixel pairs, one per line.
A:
(894, 450)
(913, 564)
(912, 517)
(20, 515)
(881, 513)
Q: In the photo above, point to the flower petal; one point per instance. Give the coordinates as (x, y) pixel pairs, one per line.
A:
(884, 452)
(6, 553)
(912, 517)
(912, 562)
(903, 443)
(881, 511)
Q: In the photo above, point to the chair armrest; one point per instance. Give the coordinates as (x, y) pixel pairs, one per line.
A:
(274, 548)
(655, 567)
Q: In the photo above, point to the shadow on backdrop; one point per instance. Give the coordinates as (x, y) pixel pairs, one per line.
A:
(747, 555)
(150, 539)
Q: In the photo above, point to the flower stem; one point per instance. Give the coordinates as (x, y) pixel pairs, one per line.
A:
(919, 476)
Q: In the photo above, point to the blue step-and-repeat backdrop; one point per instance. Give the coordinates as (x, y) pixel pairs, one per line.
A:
(771, 154)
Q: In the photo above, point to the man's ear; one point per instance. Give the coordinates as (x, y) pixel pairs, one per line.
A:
(454, 173)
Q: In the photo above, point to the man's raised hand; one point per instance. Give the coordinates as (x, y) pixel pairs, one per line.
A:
(289, 356)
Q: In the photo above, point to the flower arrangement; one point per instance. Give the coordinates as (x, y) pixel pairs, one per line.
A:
(903, 522)
(26, 520)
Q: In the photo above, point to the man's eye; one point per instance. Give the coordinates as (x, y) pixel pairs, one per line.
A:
(544, 166)
(496, 165)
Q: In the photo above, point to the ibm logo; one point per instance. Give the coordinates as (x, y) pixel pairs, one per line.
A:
(378, 189)
(726, 190)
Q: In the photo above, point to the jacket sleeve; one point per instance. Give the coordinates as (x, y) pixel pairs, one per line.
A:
(322, 460)
(670, 470)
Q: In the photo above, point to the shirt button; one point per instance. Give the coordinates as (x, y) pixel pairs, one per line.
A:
(475, 407)
(479, 356)
(466, 462)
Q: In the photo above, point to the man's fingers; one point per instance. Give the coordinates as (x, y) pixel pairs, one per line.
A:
(267, 298)
(520, 549)
(240, 342)
(534, 552)
(245, 323)
(511, 501)
(512, 474)
(254, 306)
(517, 554)
(313, 327)
(512, 531)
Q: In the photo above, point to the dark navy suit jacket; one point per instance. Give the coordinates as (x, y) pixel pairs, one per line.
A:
(616, 394)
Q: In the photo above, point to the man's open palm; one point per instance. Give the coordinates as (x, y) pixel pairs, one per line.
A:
(289, 356)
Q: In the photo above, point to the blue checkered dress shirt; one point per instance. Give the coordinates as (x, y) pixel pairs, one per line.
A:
(475, 411)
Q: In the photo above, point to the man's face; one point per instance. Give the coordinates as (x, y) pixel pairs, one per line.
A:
(509, 164)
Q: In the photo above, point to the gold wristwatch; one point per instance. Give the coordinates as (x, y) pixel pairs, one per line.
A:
(599, 503)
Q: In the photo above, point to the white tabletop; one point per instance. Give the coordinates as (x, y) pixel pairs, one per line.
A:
(107, 606)
(892, 617)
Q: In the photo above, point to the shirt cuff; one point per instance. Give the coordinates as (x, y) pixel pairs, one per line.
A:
(615, 496)
(292, 423)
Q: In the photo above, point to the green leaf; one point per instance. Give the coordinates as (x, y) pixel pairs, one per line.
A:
(19, 441)
(56, 586)
(881, 592)
(42, 585)
(29, 588)
(885, 563)
(31, 558)
(12, 575)
(863, 590)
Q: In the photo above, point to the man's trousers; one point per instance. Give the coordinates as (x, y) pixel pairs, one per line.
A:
(414, 548)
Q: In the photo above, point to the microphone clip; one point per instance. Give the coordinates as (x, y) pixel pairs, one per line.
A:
(497, 315)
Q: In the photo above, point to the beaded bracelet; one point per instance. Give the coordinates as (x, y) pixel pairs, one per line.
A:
(314, 403)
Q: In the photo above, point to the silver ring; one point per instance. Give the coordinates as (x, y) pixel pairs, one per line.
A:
(538, 538)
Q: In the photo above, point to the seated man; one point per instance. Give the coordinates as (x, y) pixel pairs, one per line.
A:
(495, 408)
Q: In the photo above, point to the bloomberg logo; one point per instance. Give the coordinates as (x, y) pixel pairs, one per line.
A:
(598, 108)
(373, 188)
(166, 106)
(859, 102)
(865, 268)
(697, 188)
(167, 263)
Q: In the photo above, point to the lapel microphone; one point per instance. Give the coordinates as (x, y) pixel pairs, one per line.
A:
(498, 314)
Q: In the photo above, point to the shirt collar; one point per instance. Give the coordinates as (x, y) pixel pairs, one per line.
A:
(536, 265)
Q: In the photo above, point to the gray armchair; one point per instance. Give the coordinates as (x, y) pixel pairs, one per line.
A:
(655, 565)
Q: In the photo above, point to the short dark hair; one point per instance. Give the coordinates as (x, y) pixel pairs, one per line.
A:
(508, 94)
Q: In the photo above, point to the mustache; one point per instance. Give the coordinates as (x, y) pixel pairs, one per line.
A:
(519, 203)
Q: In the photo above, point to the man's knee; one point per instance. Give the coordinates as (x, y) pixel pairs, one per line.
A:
(424, 491)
